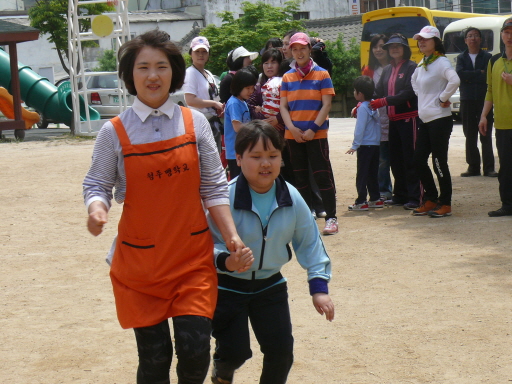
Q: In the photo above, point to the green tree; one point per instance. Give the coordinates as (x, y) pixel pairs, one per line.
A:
(107, 62)
(51, 17)
(345, 62)
(259, 22)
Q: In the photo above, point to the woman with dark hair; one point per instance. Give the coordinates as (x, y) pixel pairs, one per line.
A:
(434, 81)
(378, 59)
(201, 92)
(163, 162)
(237, 59)
(395, 92)
(236, 114)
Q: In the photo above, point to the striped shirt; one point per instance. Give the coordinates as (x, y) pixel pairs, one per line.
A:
(143, 125)
(304, 97)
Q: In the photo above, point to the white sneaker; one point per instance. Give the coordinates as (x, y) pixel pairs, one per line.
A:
(321, 214)
(331, 227)
(358, 207)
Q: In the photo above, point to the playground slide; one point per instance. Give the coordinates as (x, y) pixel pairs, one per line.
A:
(7, 108)
(38, 93)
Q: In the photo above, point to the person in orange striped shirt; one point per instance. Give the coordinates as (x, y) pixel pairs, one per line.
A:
(306, 97)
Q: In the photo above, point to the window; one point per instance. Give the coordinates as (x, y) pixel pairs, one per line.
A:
(301, 16)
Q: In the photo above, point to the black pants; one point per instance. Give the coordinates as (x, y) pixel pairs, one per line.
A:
(269, 315)
(192, 337)
(316, 153)
(402, 142)
(470, 111)
(504, 146)
(367, 179)
(433, 138)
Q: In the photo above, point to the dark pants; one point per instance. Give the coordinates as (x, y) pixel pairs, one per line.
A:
(234, 169)
(504, 146)
(269, 315)
(470, 111)
(316, 153)
(154, 344)
(402, 142)
(433, 138)
(385, 186)
(367, 179)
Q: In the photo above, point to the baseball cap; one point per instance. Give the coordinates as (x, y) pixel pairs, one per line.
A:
(396, 39)
(300, 38)
(242, 52)
(200, 42)
(507, 23)
(428, 32)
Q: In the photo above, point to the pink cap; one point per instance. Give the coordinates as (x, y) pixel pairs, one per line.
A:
(200, 42)
(428, 32)
(300, 38)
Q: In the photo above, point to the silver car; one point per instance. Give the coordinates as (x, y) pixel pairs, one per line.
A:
(455, 100)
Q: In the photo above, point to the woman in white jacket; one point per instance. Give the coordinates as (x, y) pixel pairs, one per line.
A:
(434, 81)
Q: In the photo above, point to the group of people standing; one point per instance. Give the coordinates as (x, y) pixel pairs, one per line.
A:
(416, 121)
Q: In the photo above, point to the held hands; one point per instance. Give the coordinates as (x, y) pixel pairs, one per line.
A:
(240, 263)
(353, 113)
(324, 305)
(378, 103)
(350, 151)
(308, 135)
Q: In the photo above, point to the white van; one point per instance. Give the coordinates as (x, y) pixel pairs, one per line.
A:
(453, 41)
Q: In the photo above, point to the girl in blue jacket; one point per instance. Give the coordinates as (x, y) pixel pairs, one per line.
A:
(269, 213)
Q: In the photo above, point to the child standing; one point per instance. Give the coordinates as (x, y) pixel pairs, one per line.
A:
(236, 114)
(269, 213)
(366, 143)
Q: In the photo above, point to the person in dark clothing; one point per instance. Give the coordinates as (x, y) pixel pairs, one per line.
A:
(472, 70)
(319, 54)
(394, 90)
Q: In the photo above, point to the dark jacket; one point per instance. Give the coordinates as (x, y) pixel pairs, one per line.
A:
(403, 102)
(473, 84)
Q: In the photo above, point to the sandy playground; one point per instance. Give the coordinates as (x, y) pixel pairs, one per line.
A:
(418, 300)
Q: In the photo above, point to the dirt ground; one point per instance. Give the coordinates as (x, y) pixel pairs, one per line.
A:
(418, 300)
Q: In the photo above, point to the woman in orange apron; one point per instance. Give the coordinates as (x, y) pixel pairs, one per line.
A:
(164, 165)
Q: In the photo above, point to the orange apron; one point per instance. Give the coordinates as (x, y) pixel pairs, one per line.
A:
(163, 261)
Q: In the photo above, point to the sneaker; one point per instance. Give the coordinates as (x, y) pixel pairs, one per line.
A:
(441, 211)
(424, 208)
(500, 212)
(321, 214)
(331, 226)
(411, 206)
(376, 204)
(358, 207)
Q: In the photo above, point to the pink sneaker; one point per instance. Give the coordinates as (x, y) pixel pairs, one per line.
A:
(331, 227)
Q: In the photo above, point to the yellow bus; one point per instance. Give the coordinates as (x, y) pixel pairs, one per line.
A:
(408, 21)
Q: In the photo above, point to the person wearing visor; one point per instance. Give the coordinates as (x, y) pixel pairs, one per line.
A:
(394, 90)
(237, 59)
(434, 82)
(472, 70)
(201, 92)
(499, 94)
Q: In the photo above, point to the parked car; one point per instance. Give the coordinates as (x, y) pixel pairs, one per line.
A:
(455, 100)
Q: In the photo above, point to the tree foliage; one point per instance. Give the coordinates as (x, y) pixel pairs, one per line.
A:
(345, 64)
(107, 62)
(51, 18)
(259, 22)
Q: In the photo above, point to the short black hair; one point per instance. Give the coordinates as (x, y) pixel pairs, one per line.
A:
(250, 134)
(290, 33)
(439, 47)
(270, 54)
(284, 67)
(156, 39)
(242, 78)
(365, 85)
(273, 42)
(469, 29)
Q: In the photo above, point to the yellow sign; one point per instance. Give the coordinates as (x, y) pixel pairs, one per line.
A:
(102, 26)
